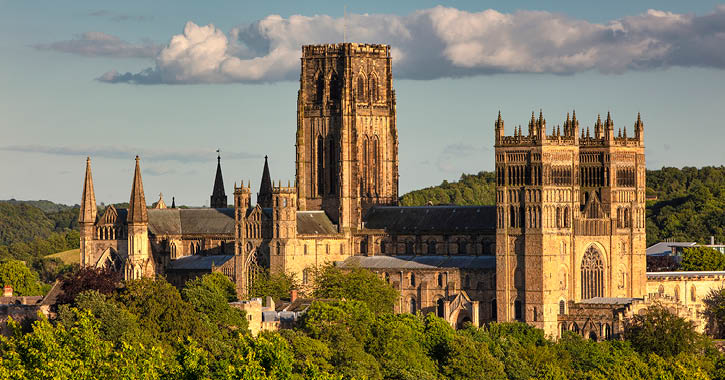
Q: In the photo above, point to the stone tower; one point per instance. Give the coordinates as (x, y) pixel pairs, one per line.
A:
(284, 225)
(87, 217)
(242, 204)
(218, 196)
(570, 218)
(138, 263)
(347, 139)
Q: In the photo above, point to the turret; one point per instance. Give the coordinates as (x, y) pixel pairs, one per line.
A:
(639, 130)
(609, 128)
(264, 197)
(541, 126)
(218, 196)
(87, 216)
(499, 128)
(598, 128)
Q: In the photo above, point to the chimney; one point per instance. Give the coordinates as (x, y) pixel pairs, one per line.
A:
(293, 295)
(8, 291)
(712, 240)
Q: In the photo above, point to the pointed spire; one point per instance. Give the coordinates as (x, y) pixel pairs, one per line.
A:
(619, 133)
(137, 213)
(625, 132)
(173, 202)
(499, 127)
(264, 197)
(218, 196)
(160, 204)
(88, 199)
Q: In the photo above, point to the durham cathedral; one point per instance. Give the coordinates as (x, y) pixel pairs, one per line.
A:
(562, 249)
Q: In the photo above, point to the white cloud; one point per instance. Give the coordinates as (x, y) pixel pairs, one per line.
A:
(95, 44)
(443, 42)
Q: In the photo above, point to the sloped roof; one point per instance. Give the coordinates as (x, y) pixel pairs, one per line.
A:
(314, 222)
(663, 248)
(178, 221)
(198, 262)
(419, 262)
(409, 220)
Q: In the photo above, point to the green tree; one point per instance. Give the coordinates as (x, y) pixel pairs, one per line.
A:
(356, 284)
(210, 296)
(702, 259)
(661, 332)
(715, 312)
(278, 286)
(16, 274)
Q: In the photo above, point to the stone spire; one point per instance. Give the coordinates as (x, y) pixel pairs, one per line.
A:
(218, 197)
(639, 129)
(160, 204)
(264, 197)
(88, 199)
(173, 202)
(499, 128)
(137, 213)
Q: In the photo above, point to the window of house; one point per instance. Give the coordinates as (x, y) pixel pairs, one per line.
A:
(518, 311)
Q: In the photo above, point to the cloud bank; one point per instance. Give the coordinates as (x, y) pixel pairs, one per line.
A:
(127, 153)
(438, 42)
(99, 44)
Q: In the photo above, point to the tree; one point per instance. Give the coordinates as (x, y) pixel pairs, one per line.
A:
(16, 274)
(661, 332)
(277, 286)
(356, 284)
(104, 280)
(210, 296)
(702, 259)
(715, 312)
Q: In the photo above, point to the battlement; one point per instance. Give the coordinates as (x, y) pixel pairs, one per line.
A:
(243, 189)
(345, 49)
(279, 189)
(569, 134)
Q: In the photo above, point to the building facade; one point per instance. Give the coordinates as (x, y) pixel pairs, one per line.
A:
(563, 248)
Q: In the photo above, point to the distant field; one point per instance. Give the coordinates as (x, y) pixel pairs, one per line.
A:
(68, 257)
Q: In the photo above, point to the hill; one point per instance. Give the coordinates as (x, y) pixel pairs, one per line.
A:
(689, 203)
(71, 256)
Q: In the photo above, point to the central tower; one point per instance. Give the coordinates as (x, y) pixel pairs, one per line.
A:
(347, 139)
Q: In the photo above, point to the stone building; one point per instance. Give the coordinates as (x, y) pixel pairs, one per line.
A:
(563, 248)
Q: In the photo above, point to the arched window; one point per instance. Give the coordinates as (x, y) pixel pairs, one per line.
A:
(382, 246)
(409, 247)
(693, 293)
(334, 87)
(376, 165)
(462, 247)
(661, 290)
(332, 165)
(566, 216)
(373, 89)
(363, 246)
(440, 308)
(677, 293)
(365, 164)
(412, 279)
(494, 311)
(626, 218)
(361, 93)
(518, 310)
(440, 280)
(320, 88)
(413, 306)
(562, 307)
(306, 276)
(320, 166)
(431, 247)
(558, 217)
(592, 274)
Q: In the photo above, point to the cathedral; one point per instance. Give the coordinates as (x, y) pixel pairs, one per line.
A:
(562, 249)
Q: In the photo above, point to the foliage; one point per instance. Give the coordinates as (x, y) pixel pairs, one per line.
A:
(663, 333)
(356, 284)
(715, 312)
(278, 285)
(471, 189)
(210, 296)
(103, 280)
(702, 259)
(16, 274)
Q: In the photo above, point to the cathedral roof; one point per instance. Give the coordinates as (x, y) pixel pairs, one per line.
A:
(411, 220)
(419, 262)
(198, 262)
(314, 223)
(181, 221)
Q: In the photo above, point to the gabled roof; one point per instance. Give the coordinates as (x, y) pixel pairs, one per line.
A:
(413, 220)
(180, 221)
(314, 223)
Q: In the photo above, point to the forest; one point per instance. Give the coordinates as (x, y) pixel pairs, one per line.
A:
(148, 329)
(686, 204)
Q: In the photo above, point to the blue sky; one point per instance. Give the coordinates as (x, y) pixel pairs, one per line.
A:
(63, 93)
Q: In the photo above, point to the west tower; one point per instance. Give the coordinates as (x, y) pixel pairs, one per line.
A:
(570, 218)
(347, 139)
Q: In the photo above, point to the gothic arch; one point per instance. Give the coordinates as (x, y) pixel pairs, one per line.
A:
(335, 86)
(361, 88)
(320, 150)
(374, 89)
(319, 87)
(592, 273)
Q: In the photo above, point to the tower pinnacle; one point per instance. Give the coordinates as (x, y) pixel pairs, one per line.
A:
(88, 199)
(218, 196)
(264, 197)
(137, 213)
